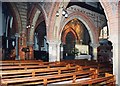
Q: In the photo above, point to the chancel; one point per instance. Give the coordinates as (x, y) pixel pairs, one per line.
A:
(65, 42)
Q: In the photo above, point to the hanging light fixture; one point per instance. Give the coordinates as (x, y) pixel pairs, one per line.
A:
(64, 12)
(29, 25)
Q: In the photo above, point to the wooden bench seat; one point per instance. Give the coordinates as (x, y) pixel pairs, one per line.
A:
(16, 61)
(108, 80)
(19, 63)
(81, 62)
(86, 64)
(37, 72)
(47, 79)
(22, 67)
(6, 68)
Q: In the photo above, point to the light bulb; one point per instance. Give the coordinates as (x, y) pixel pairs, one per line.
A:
(28, 25)
(66, 15)
(63, 12)
(57, 13)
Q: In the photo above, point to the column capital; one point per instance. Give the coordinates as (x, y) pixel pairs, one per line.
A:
(94, 45)
(54, 42)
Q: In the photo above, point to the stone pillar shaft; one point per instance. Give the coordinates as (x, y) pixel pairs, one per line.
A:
(95, 53)
(116, 53)
(94, 46)
(61, 52)
(114, 38)
(17, 46)
(54, 51)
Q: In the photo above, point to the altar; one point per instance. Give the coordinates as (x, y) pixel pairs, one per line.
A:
(83, 57)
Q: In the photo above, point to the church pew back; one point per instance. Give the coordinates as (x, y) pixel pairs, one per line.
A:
(109, 79)
(86, 64)
(48, 79)
(20, 67)
(37, 72)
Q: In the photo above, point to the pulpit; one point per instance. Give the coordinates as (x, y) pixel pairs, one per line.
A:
(26, 50)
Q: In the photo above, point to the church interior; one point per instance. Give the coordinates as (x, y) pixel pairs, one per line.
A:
(65, 42)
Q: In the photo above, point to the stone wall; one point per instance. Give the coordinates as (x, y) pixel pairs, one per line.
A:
(97, 18)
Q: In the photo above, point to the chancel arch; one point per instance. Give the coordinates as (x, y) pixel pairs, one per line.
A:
(92, 30)
(80, 36)
(86, 21)
(46, 26)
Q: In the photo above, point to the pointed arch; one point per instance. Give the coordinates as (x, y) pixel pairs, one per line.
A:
(65, 32)
(86, 21)
(16, 15)
(35, 13)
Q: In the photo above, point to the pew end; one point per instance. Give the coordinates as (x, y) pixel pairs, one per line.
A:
(95, 73)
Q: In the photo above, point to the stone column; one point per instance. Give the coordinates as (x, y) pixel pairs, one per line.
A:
(58, 51)
(61, 52)
(116, 61)
(17, 46)
(115, 39)
(54, 51)
(94, 46)
(116, 53)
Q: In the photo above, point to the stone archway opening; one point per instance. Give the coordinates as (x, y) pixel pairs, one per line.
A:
(40, 42)
(76, 40)
(10, 28)
(38, 37)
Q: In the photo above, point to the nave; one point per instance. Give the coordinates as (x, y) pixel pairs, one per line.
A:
(36, 35)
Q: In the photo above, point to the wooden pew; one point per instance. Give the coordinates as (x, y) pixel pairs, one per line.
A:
(47, 65)
(8, 68)
(20, 62)
(38, 72)
(81, 62)
(15, 61)
(108, 80)
(49, 78)
(86, 64)
(31, 62)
